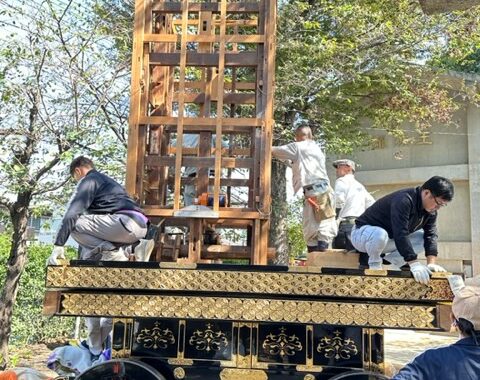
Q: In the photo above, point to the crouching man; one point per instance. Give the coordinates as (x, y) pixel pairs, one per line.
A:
(401, 225)
(106, 223)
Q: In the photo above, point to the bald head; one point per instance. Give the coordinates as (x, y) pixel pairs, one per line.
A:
(303, 133)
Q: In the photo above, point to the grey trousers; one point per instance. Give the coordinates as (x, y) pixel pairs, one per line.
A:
(97, 233)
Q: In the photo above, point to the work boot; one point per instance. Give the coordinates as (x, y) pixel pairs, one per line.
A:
(362, 260)
(311, 248)
(322, 246)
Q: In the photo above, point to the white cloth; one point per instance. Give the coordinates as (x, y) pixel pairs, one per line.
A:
(67, 360)
(308, 162)
(351, 197)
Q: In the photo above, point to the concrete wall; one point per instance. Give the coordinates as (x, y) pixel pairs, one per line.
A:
(452, 152)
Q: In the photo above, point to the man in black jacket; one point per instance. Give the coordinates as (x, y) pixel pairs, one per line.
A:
(403, 224)
(101, 217)
(104, 220)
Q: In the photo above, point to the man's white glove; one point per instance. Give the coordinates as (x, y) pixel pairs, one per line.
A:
(436, 268)
(420, 272)
(57, 253)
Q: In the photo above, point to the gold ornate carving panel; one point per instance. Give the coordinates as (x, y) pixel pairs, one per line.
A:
(242, 309)
(310, 284)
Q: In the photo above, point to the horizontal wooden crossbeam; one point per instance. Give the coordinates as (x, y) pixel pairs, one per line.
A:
(227, 98)
(176, 7)
(200, 162)
(224, 212)
(243, 59)
(203, 121)
(235, 38)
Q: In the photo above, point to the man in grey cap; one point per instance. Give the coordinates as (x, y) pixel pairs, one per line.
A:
(351, 200)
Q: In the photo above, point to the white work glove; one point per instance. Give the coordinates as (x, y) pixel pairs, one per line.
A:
(57, 253)
(456, 283)
(420, 272)
(436, 268)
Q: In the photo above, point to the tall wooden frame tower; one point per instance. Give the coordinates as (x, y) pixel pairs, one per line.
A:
(203, 72)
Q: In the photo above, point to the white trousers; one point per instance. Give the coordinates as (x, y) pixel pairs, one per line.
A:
(375, 242)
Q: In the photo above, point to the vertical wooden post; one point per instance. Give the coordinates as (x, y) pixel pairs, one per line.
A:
(221, 92)
(133, 177)
(181, 105)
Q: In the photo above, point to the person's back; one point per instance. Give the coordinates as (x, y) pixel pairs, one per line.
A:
(308, 162)
(458, 361)
(108, 196)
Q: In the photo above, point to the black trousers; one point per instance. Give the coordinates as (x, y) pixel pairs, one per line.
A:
(342, 240)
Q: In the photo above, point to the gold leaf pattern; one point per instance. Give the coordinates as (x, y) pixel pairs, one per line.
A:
(344, 313)
(288, 283)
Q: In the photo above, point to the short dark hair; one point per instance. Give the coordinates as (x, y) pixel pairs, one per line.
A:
(80, 161)
(467, 329)
(439, 187)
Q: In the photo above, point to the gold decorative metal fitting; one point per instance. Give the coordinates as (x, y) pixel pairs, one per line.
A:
(179, 373)
(376, 272)
(156, 338)
(282, 344)
(208, 340)
(337, 347)
(242, 374)
(178, 361)
(309, 368)
(309, 376)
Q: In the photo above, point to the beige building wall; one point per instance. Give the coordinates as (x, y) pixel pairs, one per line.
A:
(452, 152)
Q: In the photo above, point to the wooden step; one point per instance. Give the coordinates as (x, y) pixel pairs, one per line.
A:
(333, 258)
(339, 258)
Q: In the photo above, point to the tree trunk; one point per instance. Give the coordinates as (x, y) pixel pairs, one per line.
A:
(278, 221)
(15, 267)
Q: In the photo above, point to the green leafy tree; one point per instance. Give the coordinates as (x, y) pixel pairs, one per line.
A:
(59, 95)
(344, 62)
(29, 326)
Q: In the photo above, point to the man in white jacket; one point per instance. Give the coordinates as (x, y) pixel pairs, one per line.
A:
(310, 175)
(351, 201)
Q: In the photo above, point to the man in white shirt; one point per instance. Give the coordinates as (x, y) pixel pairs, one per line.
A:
(351, 200)
(310, 175)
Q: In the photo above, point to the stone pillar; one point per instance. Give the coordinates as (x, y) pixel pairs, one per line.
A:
(473, 127)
